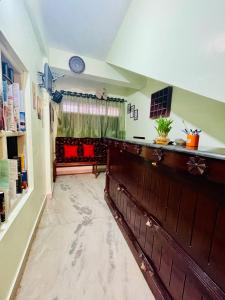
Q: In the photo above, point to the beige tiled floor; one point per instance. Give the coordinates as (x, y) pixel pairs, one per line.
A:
(79, 252)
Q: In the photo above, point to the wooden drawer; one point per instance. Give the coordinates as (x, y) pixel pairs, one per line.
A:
(177, 270)
(198, 166)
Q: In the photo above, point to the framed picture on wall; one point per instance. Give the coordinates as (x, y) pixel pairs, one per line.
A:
(51, 116)
(135, 114)
(129, 108)
(132, 109)
(34, 95)
(39, 108)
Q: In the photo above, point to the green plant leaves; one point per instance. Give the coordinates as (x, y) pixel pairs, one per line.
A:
(163, 126)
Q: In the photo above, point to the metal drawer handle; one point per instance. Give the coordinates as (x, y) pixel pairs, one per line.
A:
(124, 146)
(143, 266)
(138, 149)
(120, 188)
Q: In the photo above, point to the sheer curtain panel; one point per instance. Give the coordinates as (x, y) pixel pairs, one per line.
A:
(87, 117)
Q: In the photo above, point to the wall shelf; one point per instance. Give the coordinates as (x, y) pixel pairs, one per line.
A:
(13, 214)
(11, 133)
(12, 142)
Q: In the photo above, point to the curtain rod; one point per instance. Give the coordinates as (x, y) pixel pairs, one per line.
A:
(91, 96)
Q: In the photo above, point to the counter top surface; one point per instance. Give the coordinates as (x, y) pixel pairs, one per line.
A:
(216, 153)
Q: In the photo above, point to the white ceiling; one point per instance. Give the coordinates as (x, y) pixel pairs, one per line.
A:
(85, 27)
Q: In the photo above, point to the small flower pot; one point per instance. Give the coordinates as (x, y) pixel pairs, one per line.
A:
(162, 140)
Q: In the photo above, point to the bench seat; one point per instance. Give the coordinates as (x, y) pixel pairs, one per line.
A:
(100, 154)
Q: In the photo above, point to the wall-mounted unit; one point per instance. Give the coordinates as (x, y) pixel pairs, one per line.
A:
(46, 79)
(161, 103)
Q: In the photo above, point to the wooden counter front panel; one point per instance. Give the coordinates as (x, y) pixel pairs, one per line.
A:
(189, 209)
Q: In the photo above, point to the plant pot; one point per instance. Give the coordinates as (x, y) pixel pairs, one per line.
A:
(162, 140)
(192, 141)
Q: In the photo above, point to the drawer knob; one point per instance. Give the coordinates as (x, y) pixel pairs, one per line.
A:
(158, 155)
(154, 164)
(124, 146)
(120, 188)
(196, 165)
(143, 267)
(138, 149)
(149, 223)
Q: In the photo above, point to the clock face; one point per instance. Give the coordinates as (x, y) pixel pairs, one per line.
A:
(76, 64)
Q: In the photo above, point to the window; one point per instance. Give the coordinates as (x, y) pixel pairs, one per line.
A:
(90, 109)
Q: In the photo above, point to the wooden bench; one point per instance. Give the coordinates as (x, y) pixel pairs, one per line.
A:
(100, 154)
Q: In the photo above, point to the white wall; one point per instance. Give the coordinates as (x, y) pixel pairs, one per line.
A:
(16, 27)
(69, 83)
(197, 111)
(95, 69)
(178, 42)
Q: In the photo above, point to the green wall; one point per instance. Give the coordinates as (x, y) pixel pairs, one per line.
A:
(196, 110)
(179, 42)
(17, 29)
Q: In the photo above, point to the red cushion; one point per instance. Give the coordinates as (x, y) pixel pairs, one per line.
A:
(88, 150)
(70, 151)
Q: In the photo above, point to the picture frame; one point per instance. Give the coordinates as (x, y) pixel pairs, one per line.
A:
(132, 111)
(128, 108)
(34, 95)
(135, 114)
(39, 108)
(51, 117)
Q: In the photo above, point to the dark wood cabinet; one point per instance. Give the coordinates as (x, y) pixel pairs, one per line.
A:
(170, 207)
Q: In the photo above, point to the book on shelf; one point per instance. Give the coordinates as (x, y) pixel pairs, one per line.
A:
(23, 164)
(5, 91)
(4, 173)
(16, 103)
(13, 175)
(2, 207)
(4, 183)
(1, 112)
(12, 108)
(22, 104)
(22, 120)
(13, 180)
(11, 125)
(5, 102)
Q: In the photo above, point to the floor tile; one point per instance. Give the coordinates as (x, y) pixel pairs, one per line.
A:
(79, 252)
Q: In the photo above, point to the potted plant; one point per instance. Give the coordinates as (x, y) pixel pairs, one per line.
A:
(163, 127)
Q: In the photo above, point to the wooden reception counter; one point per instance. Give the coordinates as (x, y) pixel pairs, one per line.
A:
(170, 205)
